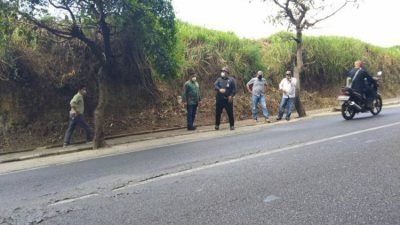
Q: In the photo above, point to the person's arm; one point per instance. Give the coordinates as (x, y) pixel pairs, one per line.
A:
(233, 90)
(294, 82)
(233, 93)
(184, 94)
(265, 85)
(199, 94)
(216, 85)
(281, 85)
(74, 106)
(248, 85)
(371, 81)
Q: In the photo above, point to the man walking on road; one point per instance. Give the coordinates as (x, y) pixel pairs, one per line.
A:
(288, 88)
(225, 86)
(191, 98)
(258, 84)
(76, 117)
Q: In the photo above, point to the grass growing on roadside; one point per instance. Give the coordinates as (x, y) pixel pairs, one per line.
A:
(207, 51)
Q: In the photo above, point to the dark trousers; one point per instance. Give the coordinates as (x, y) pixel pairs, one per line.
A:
(191, 114)
(73, 121)
(369, 94)
(228, 106)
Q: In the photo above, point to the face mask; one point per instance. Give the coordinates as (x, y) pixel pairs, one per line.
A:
(259, 77)
(223, 74)
(194, 79)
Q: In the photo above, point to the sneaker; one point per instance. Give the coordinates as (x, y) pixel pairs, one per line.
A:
(65, 145)
(287, 119)
(277, 118)
(232, 128)
(256, 120)
(216, 127)
(267, 120)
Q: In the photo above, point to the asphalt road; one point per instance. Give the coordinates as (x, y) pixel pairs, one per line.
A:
(320, 171)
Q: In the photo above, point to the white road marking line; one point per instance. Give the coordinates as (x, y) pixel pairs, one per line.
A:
(73, 199)
(253, 156)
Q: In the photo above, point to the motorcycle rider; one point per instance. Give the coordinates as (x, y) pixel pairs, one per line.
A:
(362, 82)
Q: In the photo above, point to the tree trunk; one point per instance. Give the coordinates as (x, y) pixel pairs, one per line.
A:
(99, 114)
(297, 71)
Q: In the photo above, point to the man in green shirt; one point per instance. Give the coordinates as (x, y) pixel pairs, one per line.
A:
(191, 98)
(76, 117)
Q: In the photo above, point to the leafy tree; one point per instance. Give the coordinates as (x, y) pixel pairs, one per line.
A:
(148, 24)
(300, 15)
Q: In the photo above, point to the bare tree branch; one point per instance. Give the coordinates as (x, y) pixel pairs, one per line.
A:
(308, 24)
(64, 7)
(54, 31)
(287, 10)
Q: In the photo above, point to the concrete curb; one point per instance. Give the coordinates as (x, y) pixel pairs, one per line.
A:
(58, 150)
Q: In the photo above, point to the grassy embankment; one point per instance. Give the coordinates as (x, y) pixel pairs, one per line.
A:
(39, 65)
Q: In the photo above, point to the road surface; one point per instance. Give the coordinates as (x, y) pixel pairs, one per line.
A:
(319, 171)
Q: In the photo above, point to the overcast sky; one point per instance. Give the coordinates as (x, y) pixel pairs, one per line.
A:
(375, 21)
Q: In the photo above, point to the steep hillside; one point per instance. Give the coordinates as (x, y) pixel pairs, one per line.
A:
(35, 89)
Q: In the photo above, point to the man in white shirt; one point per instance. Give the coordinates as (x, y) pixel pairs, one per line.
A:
(288, 88)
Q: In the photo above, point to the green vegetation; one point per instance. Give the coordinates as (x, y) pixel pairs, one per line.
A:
(207, 51)
(327, 58)
(32, 62)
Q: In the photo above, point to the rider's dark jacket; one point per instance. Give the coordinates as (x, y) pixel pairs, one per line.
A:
(361, 80)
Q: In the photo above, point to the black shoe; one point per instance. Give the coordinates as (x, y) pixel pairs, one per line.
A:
(192, 128)
(232, 128)
(277, 118)
(287, 119)
(216, 127)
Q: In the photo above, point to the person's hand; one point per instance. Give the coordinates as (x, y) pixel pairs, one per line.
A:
(73, 113)
(222, 90)
(230, 99)
(183, 104)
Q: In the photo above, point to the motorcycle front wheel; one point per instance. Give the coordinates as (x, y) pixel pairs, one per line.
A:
(377, 105)
(348, 112)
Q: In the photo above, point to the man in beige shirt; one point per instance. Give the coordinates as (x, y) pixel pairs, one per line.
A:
(76, 117)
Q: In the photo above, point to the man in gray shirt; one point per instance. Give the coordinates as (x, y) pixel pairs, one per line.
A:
(256, 87)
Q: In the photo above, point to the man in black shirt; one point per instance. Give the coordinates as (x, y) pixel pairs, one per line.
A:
(225, 86)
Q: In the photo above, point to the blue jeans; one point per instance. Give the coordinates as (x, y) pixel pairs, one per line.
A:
(191, 114)
(286, 103)
(73, 121)
(259, 99)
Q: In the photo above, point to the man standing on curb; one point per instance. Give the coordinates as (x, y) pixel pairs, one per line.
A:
(258, 95)
(191, 98)
(288, 88)
(225, 86)
(76, 117)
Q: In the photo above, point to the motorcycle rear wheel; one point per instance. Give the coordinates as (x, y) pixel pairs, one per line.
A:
(348, 111)
(377, 104)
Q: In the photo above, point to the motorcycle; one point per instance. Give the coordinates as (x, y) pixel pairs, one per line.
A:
(353, 102)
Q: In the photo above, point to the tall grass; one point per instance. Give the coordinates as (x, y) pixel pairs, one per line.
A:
(327, 58)
(206, 51)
